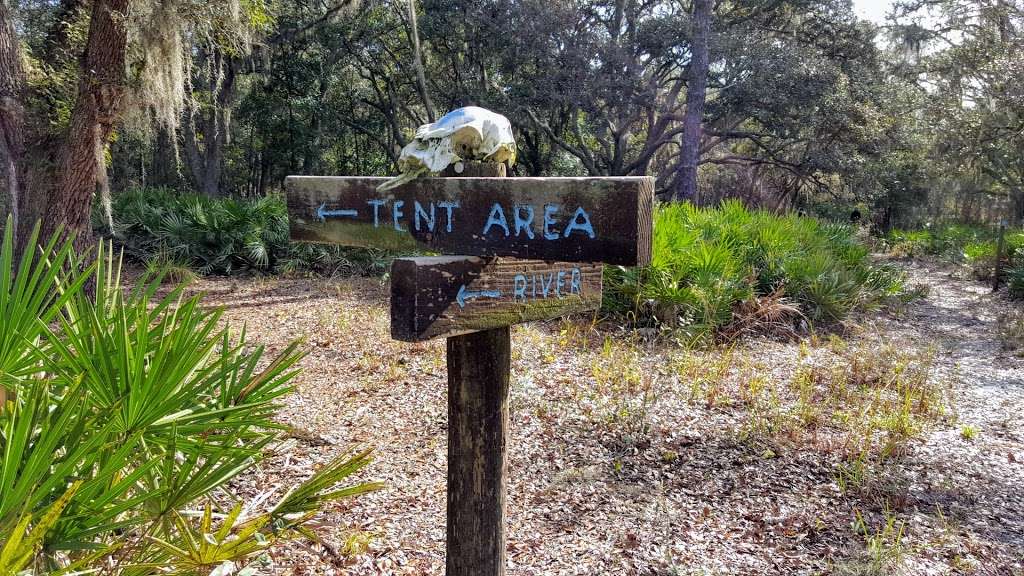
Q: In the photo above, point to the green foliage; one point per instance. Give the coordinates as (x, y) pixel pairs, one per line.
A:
(1010, 327)
(975, 103)
(957, 242)
(22, 542)
(213, 236)
(910, 243)
(122, 410)
(175, 233)
(800, 118)
(1015, 281)
(884, 547)
(980, 257)
(706, 262)
(971, 245)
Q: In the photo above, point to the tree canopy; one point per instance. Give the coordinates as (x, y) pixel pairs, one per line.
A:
(802, 104)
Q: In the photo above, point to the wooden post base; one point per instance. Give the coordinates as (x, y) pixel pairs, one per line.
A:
(478, 378)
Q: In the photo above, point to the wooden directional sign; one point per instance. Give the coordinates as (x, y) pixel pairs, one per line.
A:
(449, 295)
(552, 228)
(557, 219)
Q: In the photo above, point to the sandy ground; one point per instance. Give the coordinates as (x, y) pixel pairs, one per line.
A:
(615, 469)
(979, 485)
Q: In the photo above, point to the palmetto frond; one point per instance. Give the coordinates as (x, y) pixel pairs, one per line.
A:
(125, 408)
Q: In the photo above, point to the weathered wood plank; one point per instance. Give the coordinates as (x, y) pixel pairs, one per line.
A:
(479, 367)
(448, 295)
(558, 219)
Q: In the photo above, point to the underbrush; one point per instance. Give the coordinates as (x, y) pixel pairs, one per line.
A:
(884, 546)
(878, 395)
(1011, 331)
(1015, 279)
(855, 409)
(729, 271)
(863, 402)
(969, 245)
(125, 419)
(181, 234)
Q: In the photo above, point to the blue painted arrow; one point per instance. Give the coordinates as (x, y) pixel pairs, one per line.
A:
(464, 295)
(323, 213)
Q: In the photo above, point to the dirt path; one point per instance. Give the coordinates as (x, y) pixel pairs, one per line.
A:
(632, 459)
(978, 485)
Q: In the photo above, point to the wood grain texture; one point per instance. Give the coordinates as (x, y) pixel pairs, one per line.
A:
(479, 365)
(479, 369)
(426, 303)
(452, 216)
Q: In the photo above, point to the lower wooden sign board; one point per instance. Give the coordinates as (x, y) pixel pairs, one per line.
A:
(433, 297)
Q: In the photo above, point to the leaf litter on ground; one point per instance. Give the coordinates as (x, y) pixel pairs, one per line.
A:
(632, 456)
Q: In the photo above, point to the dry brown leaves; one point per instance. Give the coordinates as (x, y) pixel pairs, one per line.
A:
(621, 462)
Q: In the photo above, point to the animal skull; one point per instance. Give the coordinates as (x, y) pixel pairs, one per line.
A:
(469, 133)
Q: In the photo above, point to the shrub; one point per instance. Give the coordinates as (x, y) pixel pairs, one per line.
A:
(980, 258)
(910, 243)
(224, 235)
(1015, 281)
(213, 235)
(969, 244)
(707, 262)
(124, 414)
(1010, 327)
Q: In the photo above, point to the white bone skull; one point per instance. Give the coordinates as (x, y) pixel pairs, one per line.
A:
(469, 133)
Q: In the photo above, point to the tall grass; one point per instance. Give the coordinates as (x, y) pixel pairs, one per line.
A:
(707, 262)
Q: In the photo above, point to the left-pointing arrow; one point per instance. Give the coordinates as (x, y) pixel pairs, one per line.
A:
(464, 295)
(323, 213)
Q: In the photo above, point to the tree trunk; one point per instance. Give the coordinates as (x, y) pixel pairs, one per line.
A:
(264, 180)
(12, 137)
(45, 127)
(696, 93)
(164, 170)
(101, 87)
(417, 62)
(314, 149)
(1017, 203)
(220, 138)
(12, 83)
(205, 147)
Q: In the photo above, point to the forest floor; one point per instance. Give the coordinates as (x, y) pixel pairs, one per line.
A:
(635, 456)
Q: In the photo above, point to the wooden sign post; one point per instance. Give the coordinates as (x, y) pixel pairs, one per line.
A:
(531, 249)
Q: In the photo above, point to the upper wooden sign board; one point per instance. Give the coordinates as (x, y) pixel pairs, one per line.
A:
(604, 220)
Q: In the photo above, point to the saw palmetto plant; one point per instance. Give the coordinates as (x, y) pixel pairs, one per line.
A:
(178, 235)
(127, 412)
(714, 267)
